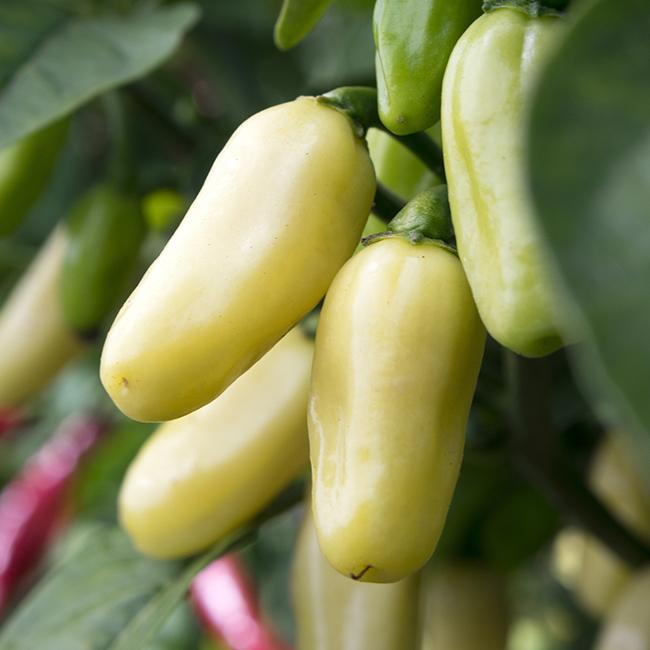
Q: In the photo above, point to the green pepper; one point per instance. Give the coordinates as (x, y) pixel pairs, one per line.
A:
(414, 39)
(398, 350)
(336, 613)
(399, 169)
(463, 606)
(200, 477)
(296, 20)
(104, 233)
(25, 169)
(484, 103)
(35, 340)
(280, 212)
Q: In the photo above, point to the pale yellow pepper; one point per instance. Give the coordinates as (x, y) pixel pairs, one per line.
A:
(199, 477)
(336, 613)
(280, 212)
(35, 340)
(398, 350)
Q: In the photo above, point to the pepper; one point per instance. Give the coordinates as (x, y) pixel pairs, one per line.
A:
(281, 210)
(25, 170)
(484, 104)
(599, 577)
(398, 350)
(400, 170)
(628, 623)
(335, 613)
(223, 596)
(31, 505)
(201, 476)
(35, 340)
(463, 606)
(414, 39)
(297, 18)
(104, 233)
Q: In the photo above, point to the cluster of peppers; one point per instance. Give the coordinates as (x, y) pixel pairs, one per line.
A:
(207, 343)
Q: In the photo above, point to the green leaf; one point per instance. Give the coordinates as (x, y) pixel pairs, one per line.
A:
(589, 170)
(51, 61)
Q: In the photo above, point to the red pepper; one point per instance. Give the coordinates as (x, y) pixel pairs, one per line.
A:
(31, 506)
(224, 598)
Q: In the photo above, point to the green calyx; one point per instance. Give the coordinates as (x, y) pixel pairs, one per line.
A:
(424, 219)
(533, 8)
(359, 103)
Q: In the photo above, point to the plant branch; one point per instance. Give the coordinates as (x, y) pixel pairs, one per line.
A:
(386, 204)
(539, 458)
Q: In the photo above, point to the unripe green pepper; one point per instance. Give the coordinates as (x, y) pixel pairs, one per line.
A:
(25, 169)
(336, 613)
(484, 104)
(296, 20)
(398, 350)
(104, 233)
(628, 624)
(35, 340)
(199, 477)
(463, 606)
(414, 39)
(281, 210)
(399, 169)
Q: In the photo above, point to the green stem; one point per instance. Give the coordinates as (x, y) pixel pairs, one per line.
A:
(534, 8)
(541, 460)
(386, 204)
(359, 103)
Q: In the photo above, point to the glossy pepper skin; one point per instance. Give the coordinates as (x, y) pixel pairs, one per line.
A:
(400, 170)
(485, 91)
(25, 169)
(463, 606)
(104, 233)
(280, 212)
(398, 350)
(628, 625)
(336, 613)
(414, 39)
(201, 476)
(600, 576)
(35, 340)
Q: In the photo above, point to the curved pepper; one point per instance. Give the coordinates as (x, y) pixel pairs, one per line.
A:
(398, 350)
(281, 210)
(104, 233)
(484, 97)
(201, 476)
(224, 598)
(414, 39)
(296, 20)
(25, 169)
(628, 623)
(336, 613)
(463, 606)
(35, 340)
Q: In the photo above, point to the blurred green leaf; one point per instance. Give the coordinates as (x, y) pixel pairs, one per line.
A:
(51, 62)
(589, 169)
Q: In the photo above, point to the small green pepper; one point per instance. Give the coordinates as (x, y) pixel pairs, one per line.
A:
(25, 169)
(414, 39)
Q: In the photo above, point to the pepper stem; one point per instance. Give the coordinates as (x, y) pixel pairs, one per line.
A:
(359, 103)
(425, 216)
